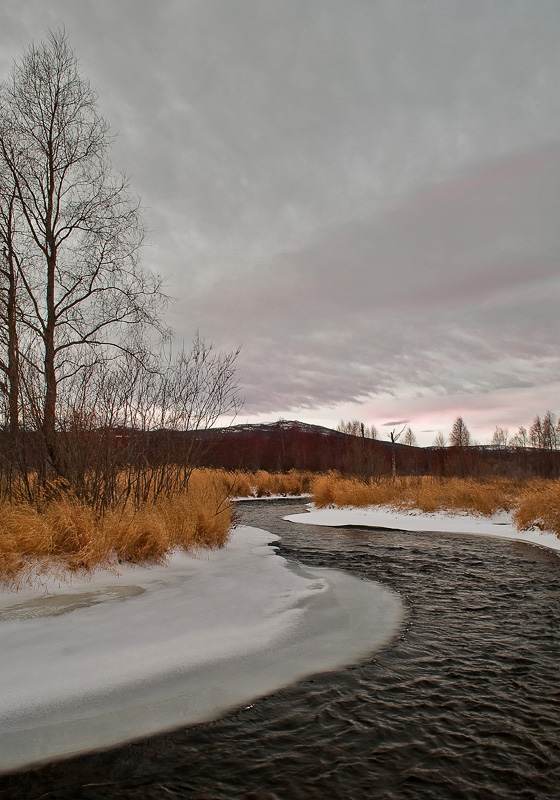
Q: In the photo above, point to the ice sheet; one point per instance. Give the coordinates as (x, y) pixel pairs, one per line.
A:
(93, 663)
(499, 525)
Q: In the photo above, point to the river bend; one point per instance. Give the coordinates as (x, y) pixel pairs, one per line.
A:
(465, 703)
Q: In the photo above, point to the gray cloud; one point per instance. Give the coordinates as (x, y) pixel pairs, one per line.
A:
(364, 194)
(455, 290)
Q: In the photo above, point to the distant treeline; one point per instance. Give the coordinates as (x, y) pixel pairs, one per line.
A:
(291, 445)
(126, 464)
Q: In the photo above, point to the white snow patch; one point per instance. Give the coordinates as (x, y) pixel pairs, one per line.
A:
(294, 497)
(97, 662)
(499, 525)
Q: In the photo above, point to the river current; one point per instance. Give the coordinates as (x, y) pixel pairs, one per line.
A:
(464, 703)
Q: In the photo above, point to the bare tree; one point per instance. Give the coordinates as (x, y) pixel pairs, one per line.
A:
(549, 427)
(80, 230)
(536, 437)
(500, 439)
(394, 436)
(459, 436)
(544, 433)
(439, 441)
(357, 428)
(84, 359)
(409, 438)
(10, 265)
(521, 438)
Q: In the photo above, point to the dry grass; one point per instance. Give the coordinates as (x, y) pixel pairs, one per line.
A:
(264, 484)
(539, 507)
(534, 503)
(66, 537)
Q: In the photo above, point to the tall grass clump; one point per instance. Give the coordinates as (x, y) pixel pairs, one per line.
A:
(260, 483)
(66, 536)
(539, 507)
(534, 504)
(63, 535)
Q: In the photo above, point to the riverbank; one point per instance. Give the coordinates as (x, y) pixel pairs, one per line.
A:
(498, 525)
(104, 660)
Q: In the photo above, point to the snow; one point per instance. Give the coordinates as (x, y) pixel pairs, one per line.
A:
(499, 525)
(92, 663)
(267, 497)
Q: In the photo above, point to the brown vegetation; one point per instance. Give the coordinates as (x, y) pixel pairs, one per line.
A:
(533, 504)
(241, 483)
(66, 536)
(539, 507)
(289, 445)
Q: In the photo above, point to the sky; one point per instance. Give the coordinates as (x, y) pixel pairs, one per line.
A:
(362, 194)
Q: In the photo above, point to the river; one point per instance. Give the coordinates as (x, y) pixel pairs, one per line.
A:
(464, 703)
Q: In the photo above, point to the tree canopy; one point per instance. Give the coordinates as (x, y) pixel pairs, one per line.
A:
(80, 317)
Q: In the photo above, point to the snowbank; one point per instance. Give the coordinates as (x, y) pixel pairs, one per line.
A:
(94, 663)
(293, 497)
(499, 525)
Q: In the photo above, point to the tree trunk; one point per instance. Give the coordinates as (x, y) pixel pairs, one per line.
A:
(49, 407)
(13, 351)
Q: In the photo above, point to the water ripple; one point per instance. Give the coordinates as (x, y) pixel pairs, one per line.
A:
(465, 704)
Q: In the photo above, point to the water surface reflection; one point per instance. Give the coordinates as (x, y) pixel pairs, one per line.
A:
(465, 704)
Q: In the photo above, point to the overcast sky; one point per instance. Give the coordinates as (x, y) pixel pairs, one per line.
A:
(364, 194)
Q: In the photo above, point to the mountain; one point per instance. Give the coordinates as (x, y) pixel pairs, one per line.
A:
(289, 444)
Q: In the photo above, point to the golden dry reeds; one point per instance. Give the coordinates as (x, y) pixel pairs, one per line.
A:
(539, 507)
(243, 483)
(533, 503)
(66, 536)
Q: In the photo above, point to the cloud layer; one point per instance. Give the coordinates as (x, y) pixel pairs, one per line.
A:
(364, 195)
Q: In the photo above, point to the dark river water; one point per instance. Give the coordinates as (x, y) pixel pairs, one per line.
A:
(465, 703)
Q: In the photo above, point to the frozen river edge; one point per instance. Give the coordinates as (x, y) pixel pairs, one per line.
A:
(98, 662)
(500, 525)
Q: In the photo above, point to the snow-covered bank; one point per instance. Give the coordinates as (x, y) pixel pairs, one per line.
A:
(271, 497)
(499, 525)
(94, 663)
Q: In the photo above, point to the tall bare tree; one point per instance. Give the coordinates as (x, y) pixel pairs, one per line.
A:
(10, 265)
(500, 439)
(409, 438)
(545, 433)
(357, 428)
(459, 436)
(81, 228)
